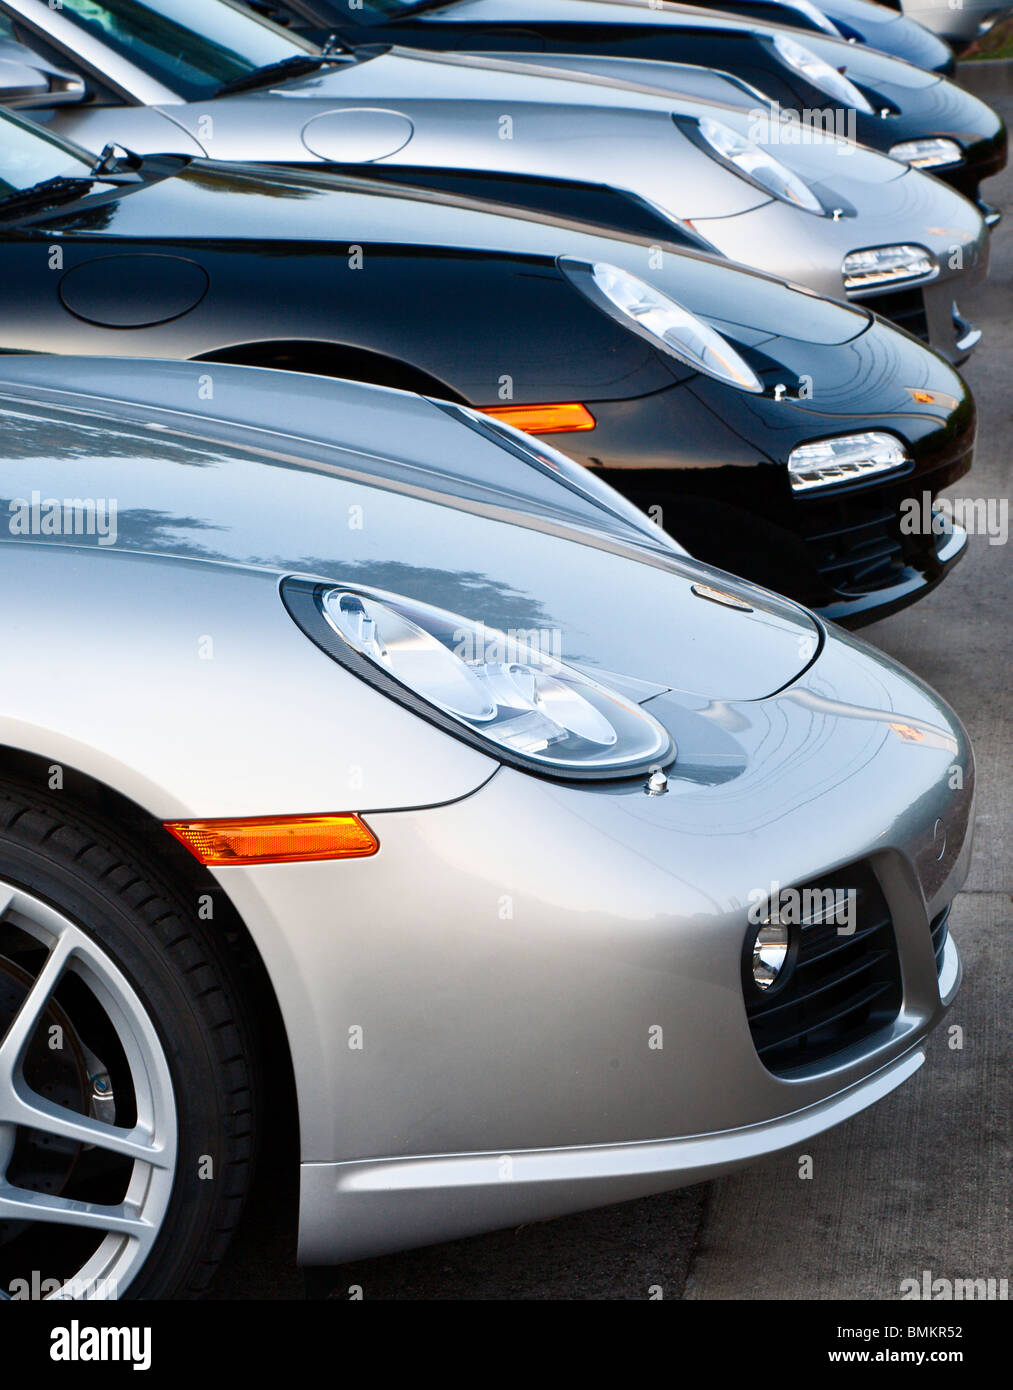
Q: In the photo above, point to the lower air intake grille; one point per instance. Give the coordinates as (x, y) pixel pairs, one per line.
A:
(842, 989)
(860, 555)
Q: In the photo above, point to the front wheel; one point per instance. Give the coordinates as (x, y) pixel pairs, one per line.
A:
(126, 1074)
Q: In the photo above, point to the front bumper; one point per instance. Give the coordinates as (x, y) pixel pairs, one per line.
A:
(847, 552)
(956, 114)
(471, 1011)
(931, 313)
(365, 1209)
(983, 161)
(910, 581)
(923, 213)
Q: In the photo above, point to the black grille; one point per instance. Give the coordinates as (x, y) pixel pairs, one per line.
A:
(906, 308)
(860, 556)
(841, 988)
(940, 931)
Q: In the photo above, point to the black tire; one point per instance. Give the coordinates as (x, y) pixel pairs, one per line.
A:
(188, 988)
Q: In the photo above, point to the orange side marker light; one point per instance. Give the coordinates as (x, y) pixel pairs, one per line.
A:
(274, 839)
(544, 419)
(907, 733)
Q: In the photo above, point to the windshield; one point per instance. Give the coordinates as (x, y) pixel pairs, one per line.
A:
(192, 48)
(28, 157)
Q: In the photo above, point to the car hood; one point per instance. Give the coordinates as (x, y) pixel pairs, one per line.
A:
(449, 111)
(215, 203)
(487, 536)
(864, 64)
(876, 25)
(920, 103)
(623, 125)
(890, 32)
(618, 13)
(596, 121)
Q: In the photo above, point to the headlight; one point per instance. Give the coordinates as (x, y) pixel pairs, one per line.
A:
(884, 265)
(770, 952)
(827, 462)
(820, 74)
(816, 17)
(927, 154)
(661, 321)
(758, 166)
(492, 688)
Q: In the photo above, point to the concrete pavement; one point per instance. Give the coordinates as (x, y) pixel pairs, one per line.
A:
(922, 1181)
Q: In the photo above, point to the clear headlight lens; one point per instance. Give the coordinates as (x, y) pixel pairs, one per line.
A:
(758, 165)
(495, 685)
(665, 323)
(820, 74)
(827, 462)
(883, 265)
(929, 153)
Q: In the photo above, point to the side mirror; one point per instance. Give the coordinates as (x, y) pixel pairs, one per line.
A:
(27, 81)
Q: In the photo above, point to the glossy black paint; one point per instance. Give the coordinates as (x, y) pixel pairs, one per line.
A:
(634, 31)
(199, 261)
(608, 209)
(906, 40)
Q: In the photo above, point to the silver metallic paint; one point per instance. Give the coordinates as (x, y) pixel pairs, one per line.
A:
(506, 1073)
(959, 24)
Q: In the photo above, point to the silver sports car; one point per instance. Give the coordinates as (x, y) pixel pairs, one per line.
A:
(357, 742)
(959, 22)
(799, 203)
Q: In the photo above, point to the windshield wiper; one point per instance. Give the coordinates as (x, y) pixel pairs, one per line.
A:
(115, 165)
(48, 193)
(295, 66)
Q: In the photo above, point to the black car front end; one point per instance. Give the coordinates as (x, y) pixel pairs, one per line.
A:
(714, 467)
(696, 386)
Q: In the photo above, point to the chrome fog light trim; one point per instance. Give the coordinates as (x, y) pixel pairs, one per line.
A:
(885, 265)
(770, 954)
(849, 457)
(930, 153)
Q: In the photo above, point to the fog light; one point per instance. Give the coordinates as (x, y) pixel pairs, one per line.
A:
(770, 952)
(927, 154)
(846, 459)
(885, 265)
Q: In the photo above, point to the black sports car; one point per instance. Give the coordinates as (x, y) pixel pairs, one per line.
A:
(858, 21)
(777, 432)
(882, 102)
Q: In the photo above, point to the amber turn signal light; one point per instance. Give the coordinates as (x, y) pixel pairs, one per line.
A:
(274, 839)
(543, 419)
